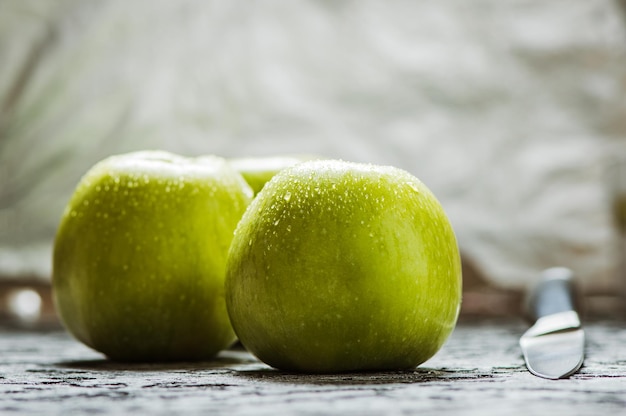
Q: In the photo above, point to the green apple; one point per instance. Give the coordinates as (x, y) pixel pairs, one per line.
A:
(140, 254)
(257, 171)
(339, 266)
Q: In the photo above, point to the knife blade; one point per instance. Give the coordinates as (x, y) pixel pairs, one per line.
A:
(554, 345)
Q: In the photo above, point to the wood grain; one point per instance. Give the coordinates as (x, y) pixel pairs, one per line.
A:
(479, 371)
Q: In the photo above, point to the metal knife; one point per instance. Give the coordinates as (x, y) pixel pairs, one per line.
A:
(554, 347)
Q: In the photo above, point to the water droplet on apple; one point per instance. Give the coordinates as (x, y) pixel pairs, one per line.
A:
(73, 213)
(287, 196)
(98, 188)
(413, 186)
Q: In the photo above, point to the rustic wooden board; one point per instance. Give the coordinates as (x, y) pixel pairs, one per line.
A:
(479, 371)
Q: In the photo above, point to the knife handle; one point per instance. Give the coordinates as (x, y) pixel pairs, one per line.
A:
(554, 293)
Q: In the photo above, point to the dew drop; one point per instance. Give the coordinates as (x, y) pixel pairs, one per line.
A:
(413, 186)
(287, 196)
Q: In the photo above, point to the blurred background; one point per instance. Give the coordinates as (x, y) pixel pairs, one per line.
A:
(511, 112)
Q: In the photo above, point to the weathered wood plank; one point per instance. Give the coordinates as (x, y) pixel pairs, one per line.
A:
(479, 371)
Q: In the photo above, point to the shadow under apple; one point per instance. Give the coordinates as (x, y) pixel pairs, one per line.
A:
(417, 375)
(225, 359)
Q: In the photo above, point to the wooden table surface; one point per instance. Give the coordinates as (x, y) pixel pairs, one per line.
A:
(480, 371)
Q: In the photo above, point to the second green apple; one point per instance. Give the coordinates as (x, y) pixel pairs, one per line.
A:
(140, 253)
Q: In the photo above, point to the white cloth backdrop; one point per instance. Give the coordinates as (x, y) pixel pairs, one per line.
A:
(507, 110)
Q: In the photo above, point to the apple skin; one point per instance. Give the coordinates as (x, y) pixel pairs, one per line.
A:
(139, 256)
(257, 171)
(338, 267)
